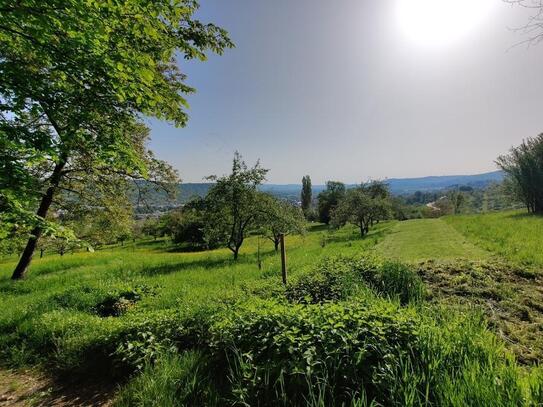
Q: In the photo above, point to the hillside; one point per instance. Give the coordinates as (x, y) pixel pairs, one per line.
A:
(190, 328)
(291, 192)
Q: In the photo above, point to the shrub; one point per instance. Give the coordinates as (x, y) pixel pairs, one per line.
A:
(280, 354)
(331, 280)
(366, 351)
(336, 278)
(393, 280)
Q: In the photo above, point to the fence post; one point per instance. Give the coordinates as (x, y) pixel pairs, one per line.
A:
(283, 259)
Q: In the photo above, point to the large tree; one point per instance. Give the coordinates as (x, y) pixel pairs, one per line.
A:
(329, 199)
(360, 208)
(233, 205)
(524, 168)
(76, 78)
(306, 194)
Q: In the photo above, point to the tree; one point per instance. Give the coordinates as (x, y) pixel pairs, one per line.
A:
(329, 199)
(76, 78)
(524, 168)
(233, 205)
(306, 194)
(534, 28)
(190, 224)
(278, 218)
(359, 208)
(457, 199)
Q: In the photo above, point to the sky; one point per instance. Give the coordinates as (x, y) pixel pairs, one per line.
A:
(353, 90)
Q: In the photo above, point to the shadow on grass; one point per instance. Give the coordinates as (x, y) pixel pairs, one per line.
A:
(209, 263)
(525, 215)
(374, 235)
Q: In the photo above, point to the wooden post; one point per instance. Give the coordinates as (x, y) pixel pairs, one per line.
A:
(283, 258)
(258, 255)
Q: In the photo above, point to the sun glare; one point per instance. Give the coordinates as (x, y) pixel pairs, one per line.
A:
(440, 22)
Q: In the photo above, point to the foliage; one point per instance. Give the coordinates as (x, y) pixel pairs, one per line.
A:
(190, 227)
(76, 77)
(233, 205)
(524, 168)
(362, 206)
(329, 199)
(306, 195)
(174, 380)
(278, 217)
(332, 280)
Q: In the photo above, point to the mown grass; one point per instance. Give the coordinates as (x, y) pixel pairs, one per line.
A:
(423, 239)
(515, 235)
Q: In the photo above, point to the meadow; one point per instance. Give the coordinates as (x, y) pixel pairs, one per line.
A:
(515, 235)
(372, 321)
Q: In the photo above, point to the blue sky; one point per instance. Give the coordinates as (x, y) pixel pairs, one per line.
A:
(339, 90)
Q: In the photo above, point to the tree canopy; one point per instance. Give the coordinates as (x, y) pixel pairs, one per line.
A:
(524, 168)
(233, 204)
(77, 76)
(329, 199)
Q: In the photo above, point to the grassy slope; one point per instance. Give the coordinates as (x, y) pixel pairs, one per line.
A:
(56, 301)
(59, 294)
(515, 235)
(423, 239)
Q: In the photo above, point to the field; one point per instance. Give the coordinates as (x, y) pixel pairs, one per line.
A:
(514, 235)
(424, 239)
(459, 325)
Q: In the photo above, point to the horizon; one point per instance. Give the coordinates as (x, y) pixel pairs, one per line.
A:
(356, 183)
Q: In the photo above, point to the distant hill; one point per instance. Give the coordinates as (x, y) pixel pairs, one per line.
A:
(399, 186)
(291, 192)
(402, 186)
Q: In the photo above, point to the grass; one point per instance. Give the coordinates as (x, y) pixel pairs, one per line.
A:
(51, 315)
(197, 328)
(514, 235)
(422, 239)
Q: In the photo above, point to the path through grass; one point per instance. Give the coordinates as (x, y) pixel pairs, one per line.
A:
(423, 239)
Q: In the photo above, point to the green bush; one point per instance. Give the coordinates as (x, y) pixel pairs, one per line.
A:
(332, 280)
(337, 278)
(372, 350)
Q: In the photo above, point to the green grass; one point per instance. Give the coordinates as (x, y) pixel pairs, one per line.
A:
(422, 239)
(514, 235)
(197, 328)
(51, 315)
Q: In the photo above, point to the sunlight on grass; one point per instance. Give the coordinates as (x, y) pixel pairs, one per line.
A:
(515, 235)
(422, 239)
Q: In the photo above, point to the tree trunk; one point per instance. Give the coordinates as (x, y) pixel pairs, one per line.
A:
(361, 230)
(236, 251)
(276, 244)
(36, 233)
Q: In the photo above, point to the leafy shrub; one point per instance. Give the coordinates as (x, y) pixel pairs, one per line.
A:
(281, 352)
(331, 280)
(364, 351)
(336, 278)
(393, 280)
(152, 334)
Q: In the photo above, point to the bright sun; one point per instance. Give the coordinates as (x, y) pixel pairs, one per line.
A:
(440, 22)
